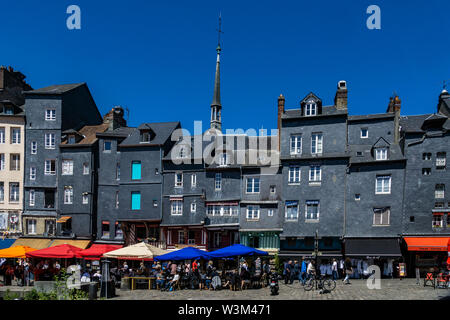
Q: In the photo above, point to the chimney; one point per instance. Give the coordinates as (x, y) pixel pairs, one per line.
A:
(394, 106)
(281, 101)
(340, 99)
(115, 118)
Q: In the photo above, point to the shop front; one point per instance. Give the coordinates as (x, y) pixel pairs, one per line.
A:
(220, 236)
(261, 239)
(179, 237)
(428, 254)
(137, 231)
(365, 252)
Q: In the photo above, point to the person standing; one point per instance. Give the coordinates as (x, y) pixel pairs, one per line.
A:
(348, 270)
(334, 268)
(287, 272)
(303, 272)
(296, 273)
(311, 270)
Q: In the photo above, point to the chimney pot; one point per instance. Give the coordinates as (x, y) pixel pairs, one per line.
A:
(340, 99)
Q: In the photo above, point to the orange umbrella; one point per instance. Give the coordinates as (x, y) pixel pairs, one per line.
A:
(15, 252)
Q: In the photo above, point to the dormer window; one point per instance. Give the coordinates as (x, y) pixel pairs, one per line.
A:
(9, 110)
(310, 108)
(381, 154)
(145, 136)
(71, 139)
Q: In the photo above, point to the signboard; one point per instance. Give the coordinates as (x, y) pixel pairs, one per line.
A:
(402, 269)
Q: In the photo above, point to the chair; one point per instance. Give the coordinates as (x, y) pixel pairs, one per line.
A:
(429, 277)
(441, 281)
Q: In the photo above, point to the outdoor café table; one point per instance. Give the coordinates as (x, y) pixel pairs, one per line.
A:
(133, 281)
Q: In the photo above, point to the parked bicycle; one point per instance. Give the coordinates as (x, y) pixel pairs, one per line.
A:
(320, 282)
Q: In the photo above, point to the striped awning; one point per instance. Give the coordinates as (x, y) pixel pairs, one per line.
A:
(37, 243)
(82, 244)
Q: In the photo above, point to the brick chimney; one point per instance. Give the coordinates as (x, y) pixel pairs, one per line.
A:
(340, 99)
(281, 101)
(394, 106)
(12, 84)
(115, 118)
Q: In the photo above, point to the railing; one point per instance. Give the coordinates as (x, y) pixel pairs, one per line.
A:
(158, 244)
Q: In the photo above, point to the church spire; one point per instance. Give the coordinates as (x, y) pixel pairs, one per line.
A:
(216, 106)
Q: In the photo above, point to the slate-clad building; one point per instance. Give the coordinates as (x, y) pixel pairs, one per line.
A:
(50, 111)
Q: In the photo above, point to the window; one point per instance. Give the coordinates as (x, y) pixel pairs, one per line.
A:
(218, 182)
(117, 200)
(316, 143)
(380, 153)
(118, 171)
(359, 154)
(33, 147)
(71, 139)
(221, 210)
(2, 135)
(193, 181)
(2, 191)
(315, 174)
(50, 227)
(311, 109)
(217, 239)
(50, 114)
(294, 174)
(15, 136)
(439, 191)
(32, 198)
(14, 192)
(426, 171)
(155, 203)
(381, 216)
(50, 167)
(2, 161)
(105, 229)
(50, 141)
(411, 219)
(156, 171)
(364, 133)
(135, 200)
(31, 226)
(291, 210)
(296, 144)
(15, 162)
(85, 198)
(176, 207)
(119, 232)
(270, 213)
(181, 239)
(252, 213)
(440, 160)
(67, 167)
(193, 207)
(252, 185)
(107, 146)
(136, 170)
(32, 173)
(439, 204)
(85, 168)
(312, 210)
(426, 156)
(145, 136)
(68, 195)
(357, 197)
(273, 189)
(178, 179)
(223, 159)
(191, 237)
(383, 185)
(438, 221)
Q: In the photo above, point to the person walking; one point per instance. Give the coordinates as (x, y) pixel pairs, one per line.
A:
(334, 268)
(348, 270)
(303, 272)
(311, 270)
(287, 272)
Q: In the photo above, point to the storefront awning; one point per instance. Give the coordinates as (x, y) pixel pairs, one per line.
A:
(427, 243)
(82, 244)
(63, 219)
(36, 243)
(372, 247)
(309, 254)
(6, 243)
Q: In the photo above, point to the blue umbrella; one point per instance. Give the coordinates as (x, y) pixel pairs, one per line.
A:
(188, 253)
(236, 250)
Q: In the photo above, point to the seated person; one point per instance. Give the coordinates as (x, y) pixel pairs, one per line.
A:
(170, 284)
(160, 279)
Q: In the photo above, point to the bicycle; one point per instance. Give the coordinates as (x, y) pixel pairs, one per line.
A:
(320, 282)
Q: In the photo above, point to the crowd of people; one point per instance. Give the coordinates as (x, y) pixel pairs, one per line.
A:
(24, 273)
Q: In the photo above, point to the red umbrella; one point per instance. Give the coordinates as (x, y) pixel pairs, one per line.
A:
(448, 249)
(97, 250)
(62, 251)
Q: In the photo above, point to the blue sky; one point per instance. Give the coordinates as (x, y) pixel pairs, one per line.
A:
(157, 58)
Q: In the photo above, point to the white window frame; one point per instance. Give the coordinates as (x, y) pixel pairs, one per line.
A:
(441, 159)
(310, 109)
(176, 207)
(86, 169)
(181, 232)
(367, 133)
(2, 192)
(439, 191)
(178, 184)
(314, 174)
(291, 217)
(306, 211)
(2, 135)
(383, 184)
(381, 217)
(15, 162)
(193, 180)
(434, 221)
(85, 199)
(50, 114)
(223, 160)
(296, 144)
(48, 167)
(294, 173)
(253, 213)
(67, 167)
(317, 143)
(32, 223)
(68, 195)
(253, 185)
(270, 212)
(381, 153)
(33, 147)
(2, 161)
(218, 181)
(32, 200)
(193, 207)
(16, 135)
(50, 141)
(14, 192)
(32, 173)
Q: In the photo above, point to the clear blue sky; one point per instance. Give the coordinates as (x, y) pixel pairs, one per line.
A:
(157, 58)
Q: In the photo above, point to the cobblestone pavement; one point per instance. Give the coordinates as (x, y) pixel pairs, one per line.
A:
(391, 289)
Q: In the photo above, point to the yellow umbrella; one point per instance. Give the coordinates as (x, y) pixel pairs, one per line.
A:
(15, 252)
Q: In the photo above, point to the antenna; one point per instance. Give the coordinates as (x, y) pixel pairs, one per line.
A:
(219, 31)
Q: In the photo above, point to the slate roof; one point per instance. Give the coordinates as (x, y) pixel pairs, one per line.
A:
(413, 124)
(326, 112)
(371, 116)
(163, 132)
(119, 132)
(395, 154)
(56, 89)
(89, 134)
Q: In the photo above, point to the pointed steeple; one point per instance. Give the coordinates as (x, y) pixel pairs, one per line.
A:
(216, 106)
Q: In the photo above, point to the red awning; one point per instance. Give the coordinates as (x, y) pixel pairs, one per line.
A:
(97, 250)
(62, 251)
(438, 213)
(427, 243)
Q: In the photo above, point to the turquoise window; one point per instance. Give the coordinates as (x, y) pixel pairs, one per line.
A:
(136, 170)
(135, 201)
